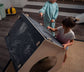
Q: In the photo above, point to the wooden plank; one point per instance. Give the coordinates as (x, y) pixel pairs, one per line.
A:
(4, 52)
(3, 33)
(6, 25)
(4, 29)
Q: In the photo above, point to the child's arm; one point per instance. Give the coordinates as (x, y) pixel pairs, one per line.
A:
(41, 14)
(68, 44)
(53, 29)
(52, 20)
(42, 10)
(56, 13)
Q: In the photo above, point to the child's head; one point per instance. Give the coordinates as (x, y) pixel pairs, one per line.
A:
(52, 1)
(69, 22)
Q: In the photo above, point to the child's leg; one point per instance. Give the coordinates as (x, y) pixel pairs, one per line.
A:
(46, 23)
(53, 26)
(65, 57)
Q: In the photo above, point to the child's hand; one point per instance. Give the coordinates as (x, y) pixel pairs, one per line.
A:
(48, 27)
(77, 19)
(52, 20)
(65, 45)
(41, 14)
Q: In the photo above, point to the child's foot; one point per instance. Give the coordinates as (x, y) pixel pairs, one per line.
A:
(41, 24)
(63, 63)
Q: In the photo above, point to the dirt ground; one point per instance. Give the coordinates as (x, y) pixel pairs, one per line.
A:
(74, 62)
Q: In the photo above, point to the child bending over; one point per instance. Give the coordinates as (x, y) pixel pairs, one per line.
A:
(65, 34)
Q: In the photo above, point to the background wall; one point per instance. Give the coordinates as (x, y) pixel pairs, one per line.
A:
(7, 3)
(18, 3)
(15, 3)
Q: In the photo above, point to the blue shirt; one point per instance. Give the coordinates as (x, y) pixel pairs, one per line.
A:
(50, 11)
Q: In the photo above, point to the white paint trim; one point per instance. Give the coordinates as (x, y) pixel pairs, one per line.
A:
(35, 3)
(30, 10)
(72, 6)
(68, 14)
(60, 13)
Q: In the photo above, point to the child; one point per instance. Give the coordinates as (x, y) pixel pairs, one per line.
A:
(65, 34)
(49, 12)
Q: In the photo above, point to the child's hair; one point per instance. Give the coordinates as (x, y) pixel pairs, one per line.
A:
(69, 22)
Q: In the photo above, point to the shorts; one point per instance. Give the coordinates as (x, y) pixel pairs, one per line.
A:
(67, 48)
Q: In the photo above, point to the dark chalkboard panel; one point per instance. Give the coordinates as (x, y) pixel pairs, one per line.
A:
(24, 38)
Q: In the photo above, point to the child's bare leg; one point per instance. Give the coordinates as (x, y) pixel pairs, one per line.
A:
(65, 57)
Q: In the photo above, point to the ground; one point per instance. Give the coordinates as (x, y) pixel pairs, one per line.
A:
(74, 62)
(5, 26)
